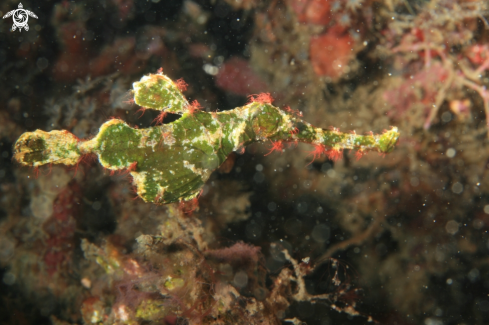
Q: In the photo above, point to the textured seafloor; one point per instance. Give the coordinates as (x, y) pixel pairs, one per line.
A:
(400, 239)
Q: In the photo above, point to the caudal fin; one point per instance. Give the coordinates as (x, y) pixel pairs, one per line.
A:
(40, 148)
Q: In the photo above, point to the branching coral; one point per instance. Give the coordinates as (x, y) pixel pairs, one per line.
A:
(442, 38)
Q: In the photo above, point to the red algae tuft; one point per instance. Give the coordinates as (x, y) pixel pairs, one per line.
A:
(330, 53)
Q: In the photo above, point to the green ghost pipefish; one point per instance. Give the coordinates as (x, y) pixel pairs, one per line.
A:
(171, 162)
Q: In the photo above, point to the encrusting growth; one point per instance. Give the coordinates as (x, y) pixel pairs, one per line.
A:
(171, 162)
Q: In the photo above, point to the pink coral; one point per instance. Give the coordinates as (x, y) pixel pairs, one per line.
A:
(238, 254)
(403, 97)
(316, 12)
(237, 76)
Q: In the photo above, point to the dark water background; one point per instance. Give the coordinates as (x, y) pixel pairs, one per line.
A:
(408, 231)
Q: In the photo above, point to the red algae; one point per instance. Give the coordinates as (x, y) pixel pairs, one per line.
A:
(237, 76)
(316, 12)
(330, 53)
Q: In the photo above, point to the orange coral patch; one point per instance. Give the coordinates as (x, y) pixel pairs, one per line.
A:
(330, 53)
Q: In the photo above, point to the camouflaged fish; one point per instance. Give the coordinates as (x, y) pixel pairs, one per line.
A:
(171, 162)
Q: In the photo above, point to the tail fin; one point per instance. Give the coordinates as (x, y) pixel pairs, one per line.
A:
(39, 148)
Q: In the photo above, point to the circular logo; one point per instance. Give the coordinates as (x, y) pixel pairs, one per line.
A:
(20, 18)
